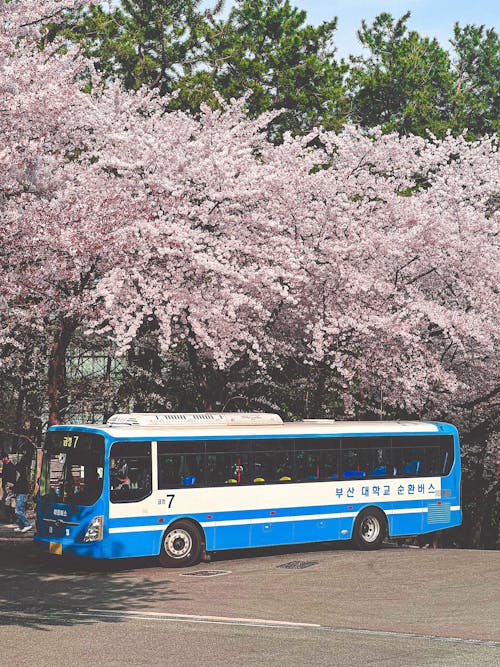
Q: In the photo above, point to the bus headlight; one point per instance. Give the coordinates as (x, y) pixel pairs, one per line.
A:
(94, 531)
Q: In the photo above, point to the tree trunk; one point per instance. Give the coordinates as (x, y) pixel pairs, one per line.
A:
(201, 378)
(212, 382)
(20, 402)
(477, 492)
(107, 385)
(57, 371)
(314, 408)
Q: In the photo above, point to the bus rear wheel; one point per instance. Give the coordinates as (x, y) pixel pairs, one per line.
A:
(370, 529)
(181, 545)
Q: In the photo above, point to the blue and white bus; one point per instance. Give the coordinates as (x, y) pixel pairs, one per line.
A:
(179, 485)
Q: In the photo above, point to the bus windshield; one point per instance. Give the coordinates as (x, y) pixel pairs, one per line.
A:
(72, 469)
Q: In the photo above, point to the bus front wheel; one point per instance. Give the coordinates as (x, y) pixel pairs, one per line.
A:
(181, 545)
(370, 529)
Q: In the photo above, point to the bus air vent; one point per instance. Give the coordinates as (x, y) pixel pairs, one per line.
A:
(319, 421)
(438, 513)
(195, 419)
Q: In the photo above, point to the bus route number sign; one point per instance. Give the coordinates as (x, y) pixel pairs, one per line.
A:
(70, 441)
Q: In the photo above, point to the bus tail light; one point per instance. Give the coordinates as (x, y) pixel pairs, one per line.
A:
(94, 531)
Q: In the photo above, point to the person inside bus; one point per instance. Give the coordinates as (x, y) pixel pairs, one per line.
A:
(119, 474)
(92, 486)
(113, 477)
(70, 487)
(144, 480)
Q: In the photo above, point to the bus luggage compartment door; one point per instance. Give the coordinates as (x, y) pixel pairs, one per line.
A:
(271, 531)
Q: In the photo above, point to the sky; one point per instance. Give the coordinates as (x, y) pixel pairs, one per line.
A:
(431, 18)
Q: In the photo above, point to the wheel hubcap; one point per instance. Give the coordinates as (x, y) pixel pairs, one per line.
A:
(370, 529)
(178, 543)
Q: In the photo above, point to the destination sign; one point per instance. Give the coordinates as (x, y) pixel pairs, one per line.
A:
(67, 441)
(70, 441)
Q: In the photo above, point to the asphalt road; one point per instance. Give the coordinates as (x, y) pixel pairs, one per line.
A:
(392, 607)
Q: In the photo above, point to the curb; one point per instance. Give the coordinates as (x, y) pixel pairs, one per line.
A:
(15, 539)
(8, 534)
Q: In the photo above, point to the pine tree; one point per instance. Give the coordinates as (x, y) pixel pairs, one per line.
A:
(142, 42)
(406, 82)
(266, 47)
(477, 67)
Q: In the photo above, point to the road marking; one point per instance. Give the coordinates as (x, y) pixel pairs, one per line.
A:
(197, 618)
(205, 573)
(70, 614)
(413, 635)
(260, 622)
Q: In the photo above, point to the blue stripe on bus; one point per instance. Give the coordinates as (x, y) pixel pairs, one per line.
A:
(243, 514)
(294, 511)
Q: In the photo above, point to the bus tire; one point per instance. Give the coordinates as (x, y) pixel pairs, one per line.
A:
(181, 545)
(370, 529)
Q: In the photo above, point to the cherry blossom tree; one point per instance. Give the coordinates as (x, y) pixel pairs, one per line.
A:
(276, 258)
(59, 202)
(367, 258)
(363, 268)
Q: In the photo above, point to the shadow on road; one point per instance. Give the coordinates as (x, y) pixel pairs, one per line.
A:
(291, 550)
(39, 591)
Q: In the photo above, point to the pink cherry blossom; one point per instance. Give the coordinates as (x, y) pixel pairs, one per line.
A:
(369, 258)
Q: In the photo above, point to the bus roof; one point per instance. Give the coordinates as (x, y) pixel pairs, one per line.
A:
(186, 428)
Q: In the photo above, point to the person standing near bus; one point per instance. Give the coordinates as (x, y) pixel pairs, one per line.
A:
(8, 481)
(21, 489)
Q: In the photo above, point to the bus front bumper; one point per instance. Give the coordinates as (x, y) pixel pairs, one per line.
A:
(64, 547)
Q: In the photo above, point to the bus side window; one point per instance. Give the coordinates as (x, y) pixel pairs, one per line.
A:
(432, 461)
(307, 464)
(271, 460)
(354, 462)
(166, 474)
(317, 459)
(176, 470)
(271, 466)
(446, 457)
(180, 464)
(130, 471)
(217, 469)
(228, 463)
(366, 457)
(430, 455)
(330, 464)
(410, 461)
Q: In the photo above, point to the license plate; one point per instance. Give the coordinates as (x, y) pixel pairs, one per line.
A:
(55, 548)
